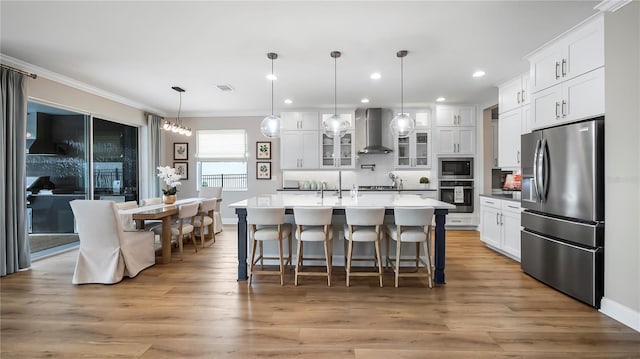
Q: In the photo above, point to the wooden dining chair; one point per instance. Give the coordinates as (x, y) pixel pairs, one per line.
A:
(202, 220)
(184, 226)
(214, 192)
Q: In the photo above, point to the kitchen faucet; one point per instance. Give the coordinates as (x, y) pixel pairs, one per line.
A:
(340, 184)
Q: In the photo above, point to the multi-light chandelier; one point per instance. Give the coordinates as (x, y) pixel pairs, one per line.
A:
(177, 127)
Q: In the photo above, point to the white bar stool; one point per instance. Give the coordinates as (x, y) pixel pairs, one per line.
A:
(313, 224)
(364, 224)
(267, 224)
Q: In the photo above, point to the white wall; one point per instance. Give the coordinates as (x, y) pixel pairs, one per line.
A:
(622, 165)
(255, 187)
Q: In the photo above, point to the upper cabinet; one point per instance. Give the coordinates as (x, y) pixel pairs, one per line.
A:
(305, 121)
(514, 93)
(455, 132)
(414, 151)
(338, 152)
(567, 76)
(455, 116)
(576, 52)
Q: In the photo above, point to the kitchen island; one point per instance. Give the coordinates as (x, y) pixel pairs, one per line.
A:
(389, 201)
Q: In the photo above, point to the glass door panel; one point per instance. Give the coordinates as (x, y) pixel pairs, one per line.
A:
(422, 148)
(115, 161)
(346, 152)
(328, 150)
(404, 152)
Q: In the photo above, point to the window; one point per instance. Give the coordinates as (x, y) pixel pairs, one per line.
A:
(222, 159)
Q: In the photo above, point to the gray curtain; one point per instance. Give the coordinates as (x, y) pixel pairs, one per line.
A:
(14, 244)
(154, 123)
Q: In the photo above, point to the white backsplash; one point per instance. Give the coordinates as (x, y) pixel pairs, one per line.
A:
(363, 177)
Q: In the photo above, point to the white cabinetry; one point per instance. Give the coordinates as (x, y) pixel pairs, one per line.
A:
(299, 150)
(338, 152)
(413, 151)
(455, 131)
(299, 121)
(567, 76)
(576, 52)
(514, 93)
(455, 116)
(575, 99)
(510, 129)
(456, 140)
(500, 225)
(495, 132)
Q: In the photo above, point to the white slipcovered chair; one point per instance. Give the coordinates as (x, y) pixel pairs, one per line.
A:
(267, 224)
(313, 224)
(184, 225)
(214, 192)
(364, 224)
(127, 221)
(202, 220)
(412, 225)
(107, 252)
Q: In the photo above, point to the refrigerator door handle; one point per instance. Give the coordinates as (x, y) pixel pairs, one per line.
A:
(536, 178)
(544, 149)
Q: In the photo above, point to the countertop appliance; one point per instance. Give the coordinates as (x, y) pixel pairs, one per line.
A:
(563, 196)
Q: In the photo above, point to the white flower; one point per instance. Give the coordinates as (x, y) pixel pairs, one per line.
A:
(169, 176)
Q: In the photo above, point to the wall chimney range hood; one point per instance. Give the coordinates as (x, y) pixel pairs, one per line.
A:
(39, 138)
(373, 119)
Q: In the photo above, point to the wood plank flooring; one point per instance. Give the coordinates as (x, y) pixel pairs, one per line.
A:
(196, 309)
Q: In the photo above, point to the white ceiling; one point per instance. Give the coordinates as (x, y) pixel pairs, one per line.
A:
(138, 50)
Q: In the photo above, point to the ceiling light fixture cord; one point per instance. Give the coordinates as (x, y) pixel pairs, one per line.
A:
(179, 108)
(402, 84)
(272, 80)
(335, 85)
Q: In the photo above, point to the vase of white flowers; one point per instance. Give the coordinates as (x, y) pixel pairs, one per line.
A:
(170, 177)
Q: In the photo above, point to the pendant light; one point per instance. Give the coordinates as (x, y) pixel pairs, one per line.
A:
(335, 126)
(402, 125)
(270, 126)
(177, 126)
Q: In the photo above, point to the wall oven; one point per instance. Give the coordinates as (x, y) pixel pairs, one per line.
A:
(455, 168)
(458, 193)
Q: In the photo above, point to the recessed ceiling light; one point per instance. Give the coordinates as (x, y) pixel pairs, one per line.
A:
(478, 73)
(375, 76)
(288, 101)
(440, 99)
(272, 77)
(365, 100)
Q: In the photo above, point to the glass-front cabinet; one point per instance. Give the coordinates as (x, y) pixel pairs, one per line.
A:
(415, 151)
(338, 152)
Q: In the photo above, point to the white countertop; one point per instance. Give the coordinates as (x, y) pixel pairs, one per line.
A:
(387, 200)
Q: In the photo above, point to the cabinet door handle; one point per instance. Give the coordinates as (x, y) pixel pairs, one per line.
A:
(557, 70)
(564, 105)
(564, 67)
(501, 222)
(518, 97)
(522, 95)
(518, 156)
(497, 219)
(557, 109)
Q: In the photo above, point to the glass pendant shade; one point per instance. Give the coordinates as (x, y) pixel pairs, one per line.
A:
(402, 125)
(334, 127)
(166, 126)
(270, 126)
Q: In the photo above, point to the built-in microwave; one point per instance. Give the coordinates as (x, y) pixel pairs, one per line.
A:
(455, 168)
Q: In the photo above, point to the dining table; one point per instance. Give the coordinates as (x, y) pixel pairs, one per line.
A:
(386, 200)
(163, 212)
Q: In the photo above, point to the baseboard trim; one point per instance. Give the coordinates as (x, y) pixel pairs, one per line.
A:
(621, 313)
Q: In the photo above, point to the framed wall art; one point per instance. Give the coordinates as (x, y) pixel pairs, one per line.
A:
(182, 168)
(263, 150)
(263, 170)
(180, 151)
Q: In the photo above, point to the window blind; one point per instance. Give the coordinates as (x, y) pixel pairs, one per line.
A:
(221, 144)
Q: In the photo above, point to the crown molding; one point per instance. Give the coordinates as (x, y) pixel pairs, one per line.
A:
(611, 5)
(65, 80)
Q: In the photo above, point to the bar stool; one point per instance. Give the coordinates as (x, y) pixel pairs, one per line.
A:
(412, 225)
(267, 224)
(313, 224)
(364, 224)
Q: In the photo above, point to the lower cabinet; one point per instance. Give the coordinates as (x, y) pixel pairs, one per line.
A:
(500, 225)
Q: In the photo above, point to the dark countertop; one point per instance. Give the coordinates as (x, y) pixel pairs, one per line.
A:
(513, 196)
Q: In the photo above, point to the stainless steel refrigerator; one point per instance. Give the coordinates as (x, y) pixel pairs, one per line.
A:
(562, 239)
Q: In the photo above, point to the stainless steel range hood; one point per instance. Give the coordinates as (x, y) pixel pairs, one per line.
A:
(373, 130)
(39, 138)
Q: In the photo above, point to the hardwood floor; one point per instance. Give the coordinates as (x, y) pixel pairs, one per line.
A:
(196, 309)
